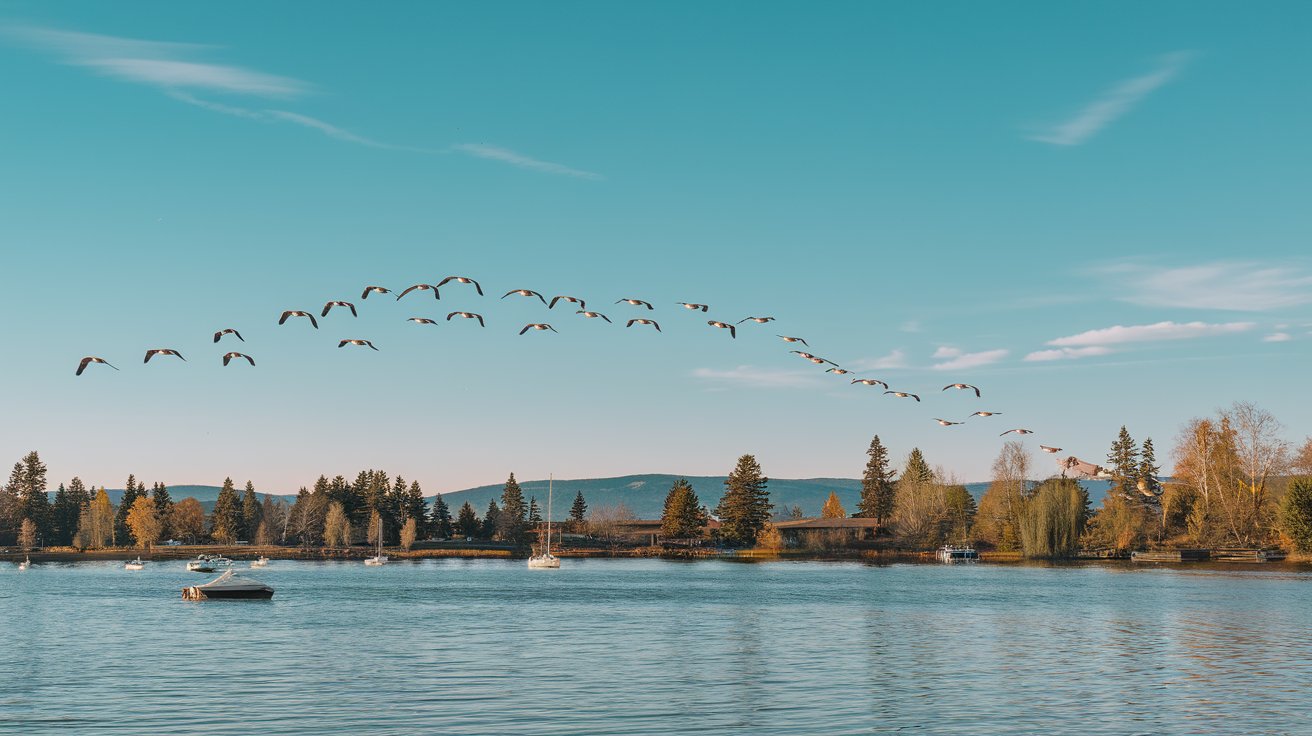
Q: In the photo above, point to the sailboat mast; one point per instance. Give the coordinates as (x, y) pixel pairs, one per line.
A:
(550, 481)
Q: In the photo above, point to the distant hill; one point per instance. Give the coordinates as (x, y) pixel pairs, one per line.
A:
(207, 495)
(644, 494)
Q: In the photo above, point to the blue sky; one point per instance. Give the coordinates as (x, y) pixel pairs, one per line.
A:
(1096, 212)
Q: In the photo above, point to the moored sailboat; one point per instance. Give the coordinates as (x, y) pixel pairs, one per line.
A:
(546, 560)
(379, 558)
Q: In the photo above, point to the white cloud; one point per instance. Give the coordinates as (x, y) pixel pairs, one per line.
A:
(895, 359)
(963, 361)
(1239, 286)
(1119, 334)
(154, 63)
(758, 377)
(1113, 103)
(332, 131)
(1067, 353)
(1278, 337)
(505, 155)
(947, 351)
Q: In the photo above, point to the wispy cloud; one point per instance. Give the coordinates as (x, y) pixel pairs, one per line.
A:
(1239, 286)
(154, 63)
(1040, 356)
(181, 71)
(1120, 334)
(1115, 102)
(505, 155)
(757, 377)
(1278, 337)
(895, 359)
(947, 351)
(964, 361)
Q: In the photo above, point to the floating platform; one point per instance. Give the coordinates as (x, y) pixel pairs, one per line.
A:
(1172, 555)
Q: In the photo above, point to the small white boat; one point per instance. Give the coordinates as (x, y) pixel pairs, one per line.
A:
(137, 564)
(546, 560)
(208, 563)
(26, 563)
(229, 585)
(380, 558)
(260, 561)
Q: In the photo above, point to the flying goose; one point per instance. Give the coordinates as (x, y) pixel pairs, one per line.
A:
(467, 315)
(421, 321)
(1053, 450)
(327, 307)
(591, 315)
(733, 331)
(374, 290)
(229, 356)
(228, 331)
(814, 358)
(903, 395)
(870, 382)
(635, 302)
(651, 322)
(420, 287)
(690, 305)
(161, 351)
(571, 299)
(297, 313)
(946, 423)
(838, 371)
(524, 292)
(962, 386)
(461, 280)
(985, 413)
(1017, 431)
(537, 326)
(758, 320)
(344, 343)
(88, 360)
(786, 338)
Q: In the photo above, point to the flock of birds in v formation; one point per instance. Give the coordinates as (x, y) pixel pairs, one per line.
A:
(582, 310)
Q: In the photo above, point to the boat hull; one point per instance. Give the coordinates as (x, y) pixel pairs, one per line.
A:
(230, 594)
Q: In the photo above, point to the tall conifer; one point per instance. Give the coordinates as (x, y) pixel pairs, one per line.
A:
(226, 521)
(877, 490)
(745, 506)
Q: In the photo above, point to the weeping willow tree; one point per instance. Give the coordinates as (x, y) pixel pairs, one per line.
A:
(1053, 519)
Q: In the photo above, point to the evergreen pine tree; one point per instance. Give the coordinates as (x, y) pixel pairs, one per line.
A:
(683, 517)
(10, 508)
(490, 520)
(78, 500)
(1123, 460)
(227, 518)
(877, 490)
(440, 521)
(163, 505)
(534, 513)
(917, 470)
(251, 513)
(745, 506)
(35, 504)
(63, 518)
(578, 513)
(414, 507)
(467, 522)
(1148, 467)
(512, 519)
(130, 492)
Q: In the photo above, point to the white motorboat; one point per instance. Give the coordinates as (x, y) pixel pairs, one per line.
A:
(137, 564)
(229, 585)
(379, 558)
(208, 563)
(260, 561)
(26, 563)
(546, 560)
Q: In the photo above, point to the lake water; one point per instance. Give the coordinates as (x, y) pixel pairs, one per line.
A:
(658, 647)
